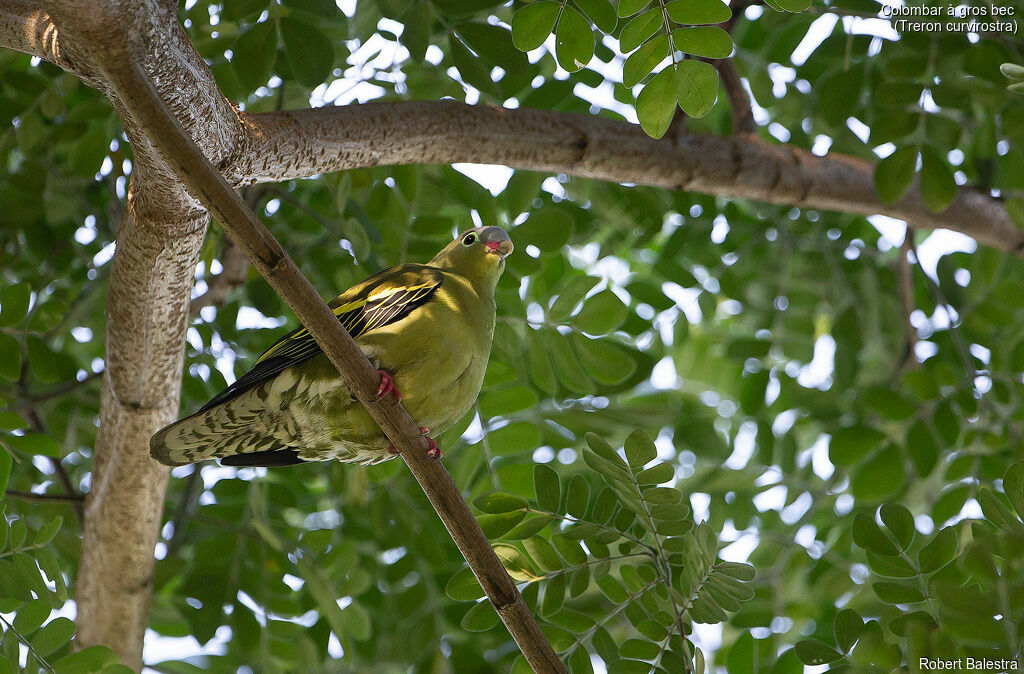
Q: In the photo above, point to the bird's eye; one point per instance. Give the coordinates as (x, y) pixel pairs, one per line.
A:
(469, 240)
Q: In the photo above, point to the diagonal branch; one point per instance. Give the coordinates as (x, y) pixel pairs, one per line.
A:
(194, 171)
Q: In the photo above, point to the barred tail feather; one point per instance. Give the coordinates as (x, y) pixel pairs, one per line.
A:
(240, 426)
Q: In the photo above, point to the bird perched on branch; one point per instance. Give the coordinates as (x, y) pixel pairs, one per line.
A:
(427, 327)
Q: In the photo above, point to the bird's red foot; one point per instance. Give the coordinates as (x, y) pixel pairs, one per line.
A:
(433, 451)
(387, 385)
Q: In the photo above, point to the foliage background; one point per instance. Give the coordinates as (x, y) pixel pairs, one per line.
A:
(795, 390)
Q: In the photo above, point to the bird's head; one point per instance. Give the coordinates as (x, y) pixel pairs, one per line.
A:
(478, 254)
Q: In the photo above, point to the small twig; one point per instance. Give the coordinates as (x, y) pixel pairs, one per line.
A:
(234, 274)
(62, 389)
(186, 504)
(904, 273)
(739, 100)
(73, 499)
(35, 422)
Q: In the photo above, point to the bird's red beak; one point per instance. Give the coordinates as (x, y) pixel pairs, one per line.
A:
(499, 248)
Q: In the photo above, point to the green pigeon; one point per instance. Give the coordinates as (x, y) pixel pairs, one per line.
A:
(427, 327)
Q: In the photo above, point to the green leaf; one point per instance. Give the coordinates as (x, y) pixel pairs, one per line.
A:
(494, 43)
(849, 444)
(310, 54)
(90, 659)
(569, 296)
(14, 304)
(10, 358)
(532, 23)
(48, 531)
(601, 313)
(640, 29)
(894, 174)
(528, 527)
(879, 477)
(630, 7)
(496, 526)
(640, 449)
(696, 12)
(890, 567)
(463, 586)
(416, 36)
(848, 626)
(480, 618)
(472, 68)
(31, 616)
(939, 552)
(707, 41)
(868, 535)
(606, 363)
(897, 593)
(500, 502)
(358, 623)
(577, 497)
(656, 104)
(547, 488)
(569, 549)
(538, 362)
(814, 652)
(922, 447)
(543, 553)
(900, 522)
(547, 228)
(644, 60)
(1012, 71)
(571, 373)
(937, 185)
(254, 53)
(838, 94)
(640, 649)
(33, 443)
(53, 635)
(1013, 487)
(6, 462)
(554, 595)
(696, 87)
(657, 474)
(600, 12)
(574, 40)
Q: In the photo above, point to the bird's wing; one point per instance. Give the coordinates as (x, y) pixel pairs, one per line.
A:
(380, 300)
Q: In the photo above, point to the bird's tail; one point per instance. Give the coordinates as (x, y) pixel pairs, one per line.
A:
(234, 427)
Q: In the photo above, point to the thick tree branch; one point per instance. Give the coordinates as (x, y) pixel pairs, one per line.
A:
(284, 145)
(191, 167)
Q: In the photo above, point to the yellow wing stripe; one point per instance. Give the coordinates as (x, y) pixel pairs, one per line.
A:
(391, 302)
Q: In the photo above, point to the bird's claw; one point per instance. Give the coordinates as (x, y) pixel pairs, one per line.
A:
(433, 451)
(387, 385)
